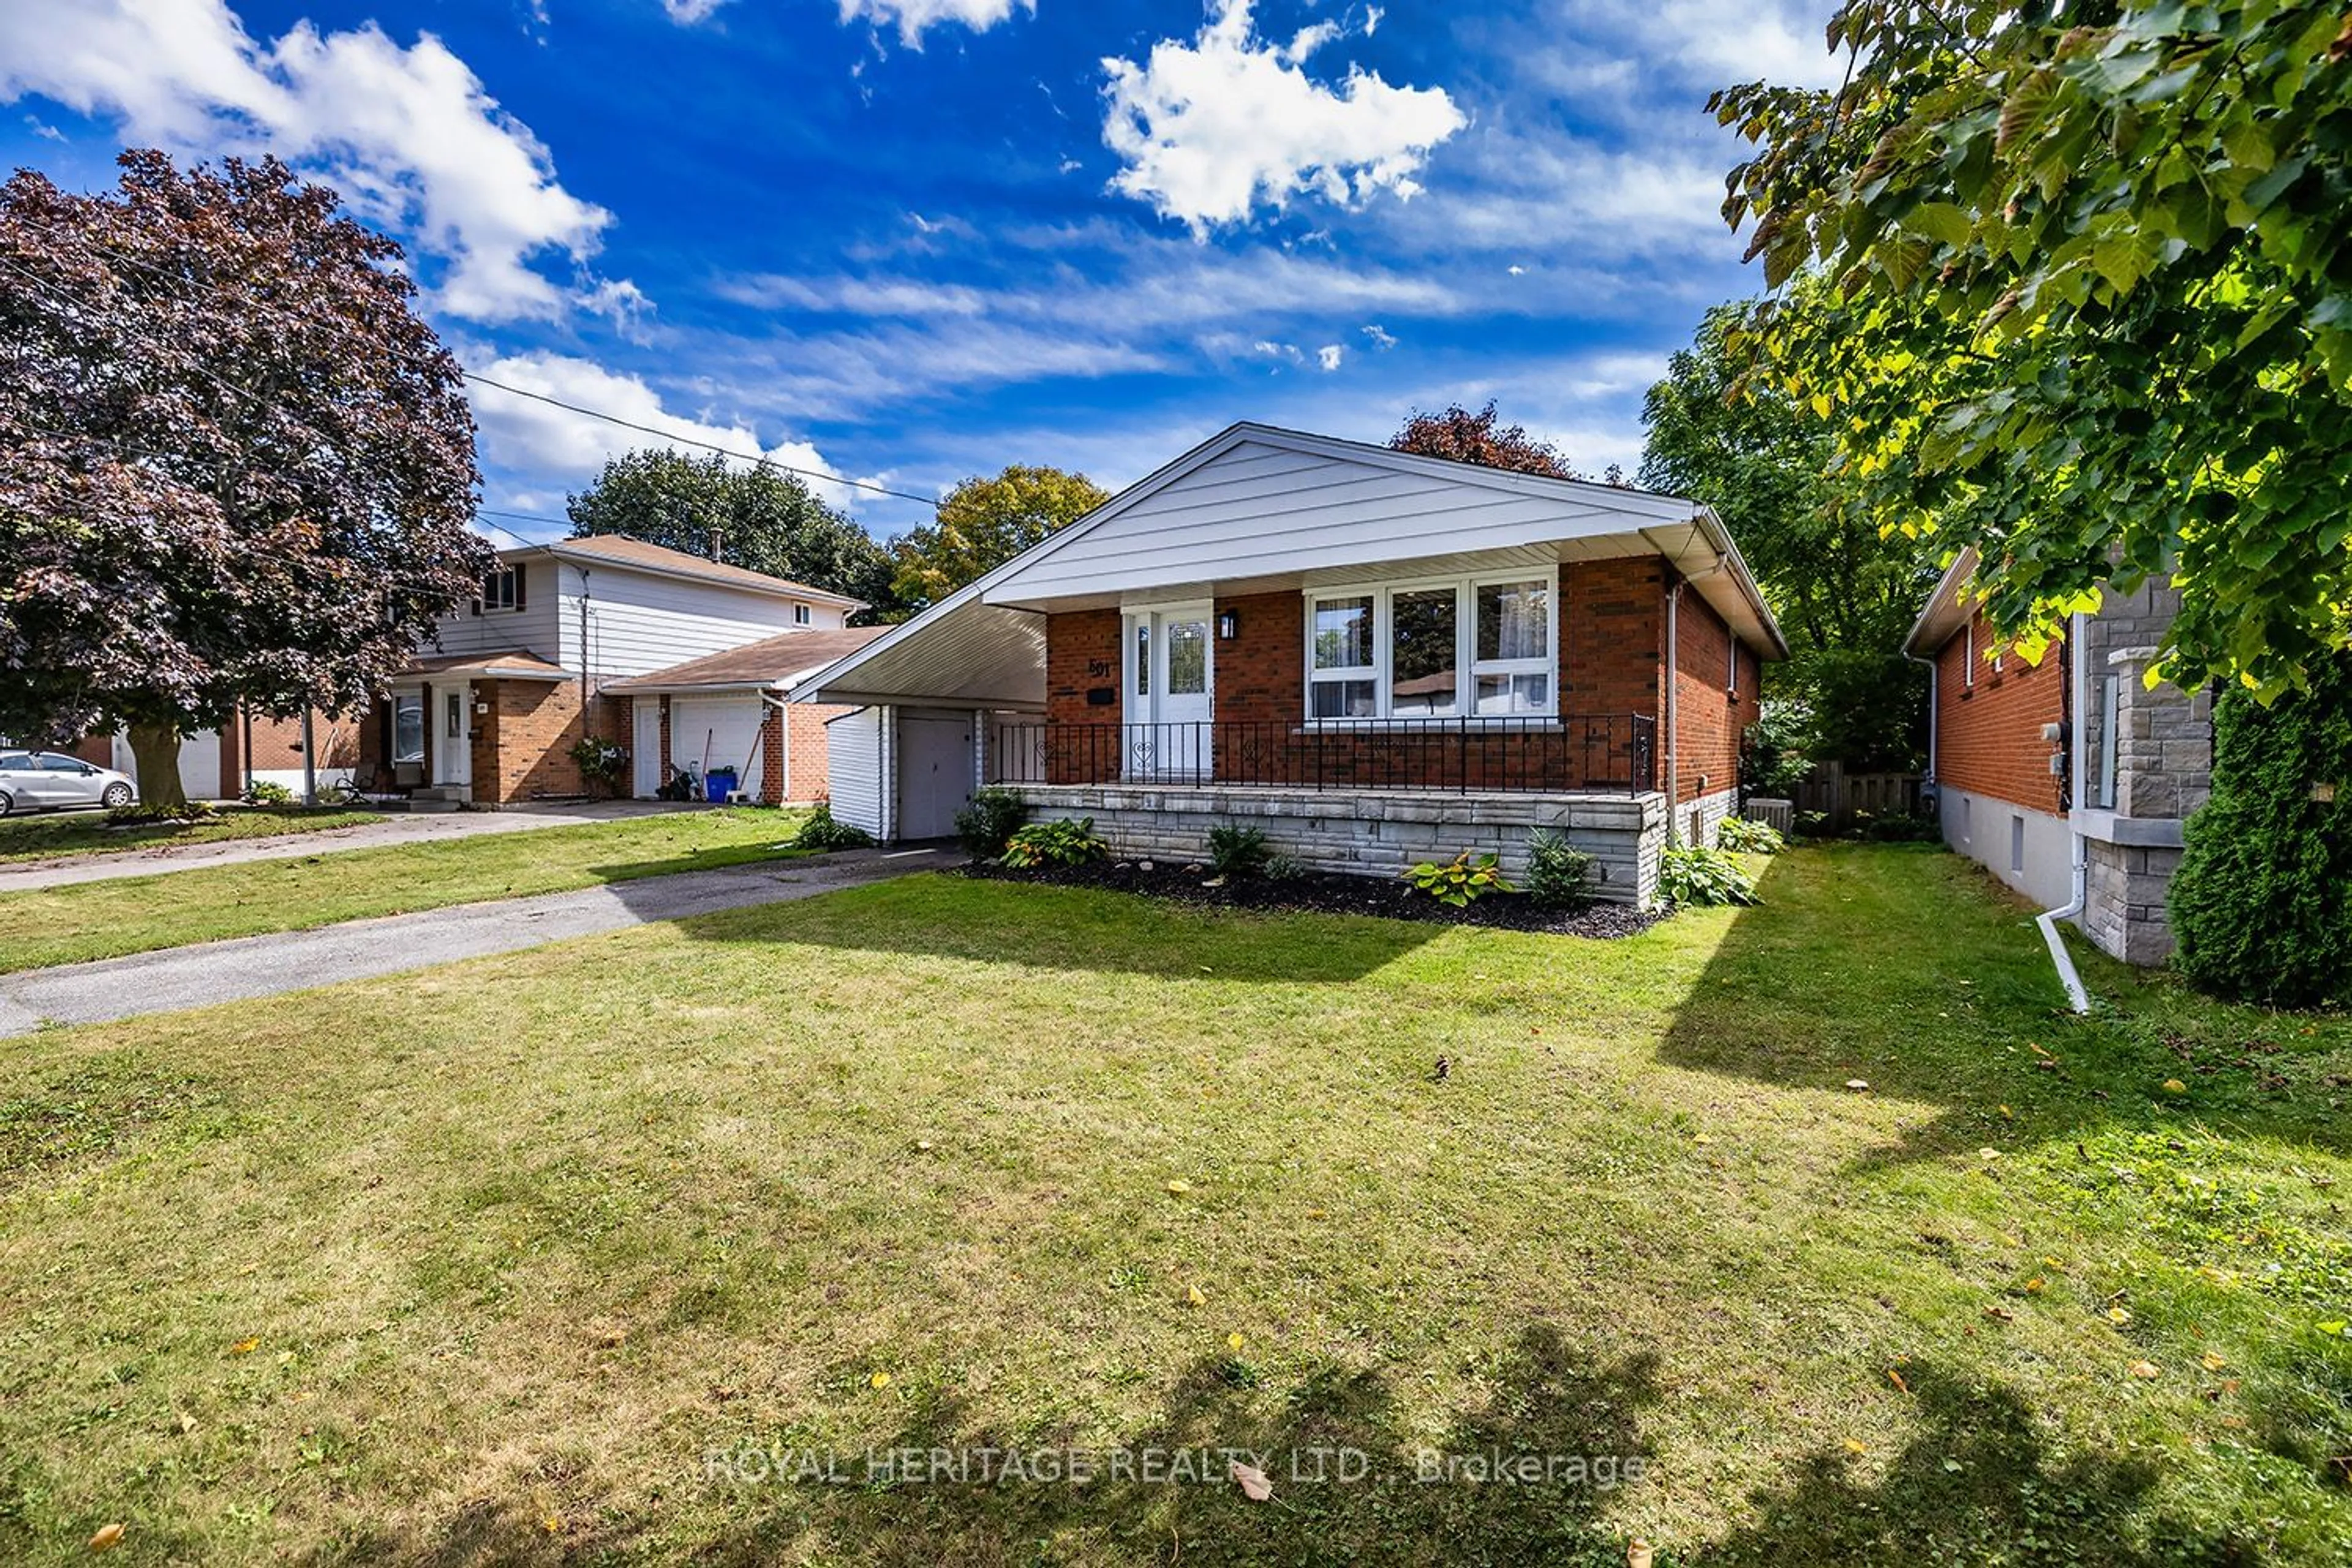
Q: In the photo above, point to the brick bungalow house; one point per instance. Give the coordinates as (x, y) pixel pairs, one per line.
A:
(555, 648)
(2070, 779)
(1377, 657)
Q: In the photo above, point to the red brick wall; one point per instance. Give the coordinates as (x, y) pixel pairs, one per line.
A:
(808, 749)
(278, 742)
(1710, 718)
(1988, 736)
(1611, 647)
(522, 746)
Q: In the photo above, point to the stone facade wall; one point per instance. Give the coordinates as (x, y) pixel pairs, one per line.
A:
(2163, 752)
(1373, 834)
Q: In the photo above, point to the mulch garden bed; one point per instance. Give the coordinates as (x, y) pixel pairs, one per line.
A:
(1324, 892)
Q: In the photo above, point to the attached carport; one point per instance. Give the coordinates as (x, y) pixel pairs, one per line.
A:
(914, 749)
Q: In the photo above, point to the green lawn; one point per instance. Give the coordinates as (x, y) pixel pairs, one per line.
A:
(138, 914)
(52, 833)
(519, 1260)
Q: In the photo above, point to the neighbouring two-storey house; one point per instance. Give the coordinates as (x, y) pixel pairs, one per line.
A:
(2070, 778)
(1374, 656)
(601, 637)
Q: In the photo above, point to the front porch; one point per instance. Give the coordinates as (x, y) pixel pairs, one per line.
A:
(1372, 832)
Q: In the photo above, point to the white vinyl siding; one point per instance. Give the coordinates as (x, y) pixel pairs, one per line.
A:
(636, 623)
(853, 765)
(502, 631)
(1260, 511)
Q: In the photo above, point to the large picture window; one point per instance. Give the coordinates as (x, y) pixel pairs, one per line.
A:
(1479, 647)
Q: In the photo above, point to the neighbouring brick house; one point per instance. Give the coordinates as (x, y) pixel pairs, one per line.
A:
(491, 708)
(218, 765)
(1375, 656)
(2073, 759)
(791, 761)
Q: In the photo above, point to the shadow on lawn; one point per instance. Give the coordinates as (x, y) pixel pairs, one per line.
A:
(1913, 970)
(1976, 1480)
(939, 916)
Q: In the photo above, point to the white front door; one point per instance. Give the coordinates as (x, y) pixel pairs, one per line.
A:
(645, 753)
(1169, 680)
(451, 714)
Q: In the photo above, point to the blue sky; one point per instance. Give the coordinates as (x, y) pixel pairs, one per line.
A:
(909, 240)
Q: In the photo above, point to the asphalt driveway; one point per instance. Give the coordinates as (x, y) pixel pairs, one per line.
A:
(255, 966)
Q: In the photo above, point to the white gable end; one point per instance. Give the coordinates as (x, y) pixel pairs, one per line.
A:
(1260, 510)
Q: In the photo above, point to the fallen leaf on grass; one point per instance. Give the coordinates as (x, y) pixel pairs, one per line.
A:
(1235, 1340)
(1252, 1480)
(245, 1347)
(1859, 1085)
(2142, 1369)
(1856, 1445)
(1193, 1294)
(109, 1536)
(1896, 1378)
(2035, 1285)
(1999, 1313)
(880, 1379)
(2213, 1361)
(2174, 1086)
(2119, 1315)
(1180, 1187)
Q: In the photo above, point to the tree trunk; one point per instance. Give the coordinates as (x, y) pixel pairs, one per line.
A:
(157, 749)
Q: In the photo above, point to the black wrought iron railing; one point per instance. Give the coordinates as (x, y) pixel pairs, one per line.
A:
(1598, 752)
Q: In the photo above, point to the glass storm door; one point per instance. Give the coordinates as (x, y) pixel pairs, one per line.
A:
(1168, 693)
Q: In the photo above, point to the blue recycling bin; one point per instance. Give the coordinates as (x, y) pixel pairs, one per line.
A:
(719, 785)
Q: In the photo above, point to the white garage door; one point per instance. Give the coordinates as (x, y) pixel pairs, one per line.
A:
(707, 732)
(935, 770)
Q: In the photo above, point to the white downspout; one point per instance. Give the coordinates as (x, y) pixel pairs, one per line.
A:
(1674, 715)
(2076, 997)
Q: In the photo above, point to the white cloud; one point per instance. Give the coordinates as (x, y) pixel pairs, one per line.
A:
(1329, 355)
(1212, 129)
(913, 16)
(409, 135)
(1380, 337)
(685, 13)
(520, 435)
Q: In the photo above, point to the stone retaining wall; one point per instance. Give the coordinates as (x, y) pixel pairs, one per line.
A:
(1373, 834)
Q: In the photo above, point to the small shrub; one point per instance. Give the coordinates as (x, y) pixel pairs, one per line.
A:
(602, 763)
(1897, 828)
(1557, 872)
(1690, 875)
(986, 825)
(1812, 824)
(262, 792)
(1065, 843)
(824, 830)
(1460, 880)
(1237, 851)
(1737, 833)
(151, 814)
(1281, 867)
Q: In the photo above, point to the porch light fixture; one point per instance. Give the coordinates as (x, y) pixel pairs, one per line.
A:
(1229, 625)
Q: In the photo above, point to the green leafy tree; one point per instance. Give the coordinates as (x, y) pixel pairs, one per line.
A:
(236, 468)
(982, 523)
(763, 520)
(1844, 592)
(2090, 311)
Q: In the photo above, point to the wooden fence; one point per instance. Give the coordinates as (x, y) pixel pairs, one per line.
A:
(1839, 795)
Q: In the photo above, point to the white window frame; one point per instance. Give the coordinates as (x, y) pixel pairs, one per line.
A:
(801, 616)
(1968, 653)
(1467, 666)
(1731, 680)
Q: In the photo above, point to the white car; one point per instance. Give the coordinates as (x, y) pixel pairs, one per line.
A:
(51, 780)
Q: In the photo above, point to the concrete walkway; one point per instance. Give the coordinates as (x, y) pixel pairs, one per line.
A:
(31, 875)
(256, 966)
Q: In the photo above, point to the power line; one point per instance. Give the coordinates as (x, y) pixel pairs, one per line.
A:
(269, 308)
